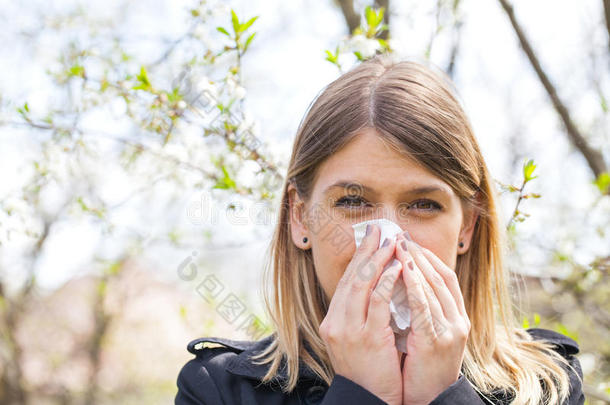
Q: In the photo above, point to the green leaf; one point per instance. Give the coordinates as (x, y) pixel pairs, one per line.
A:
(602, 182)
(561, 328)
(370, 16)
(528, 170)
(235, 22)
(247, 24)
(224, 31)
(379, 16)
(82, 204)
(174, 96)
(250, 38)
(330, 57)
(174, 236)
(23, 111)
(114, 268)
(77, 71)
(142, 77)
(536, 319)
(374, 18)
(359, 56)
(226, 182)
(561, 257)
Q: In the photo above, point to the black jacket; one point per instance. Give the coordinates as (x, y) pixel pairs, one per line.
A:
(225, 375)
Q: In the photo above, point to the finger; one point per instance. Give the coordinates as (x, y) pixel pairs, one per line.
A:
(364, 279)
(438, 320)
(451, 279)
(370, 242)
(367, 247)
(435, 307)
(378, 316)
(343, 301)
(421, 318)
(442, 295)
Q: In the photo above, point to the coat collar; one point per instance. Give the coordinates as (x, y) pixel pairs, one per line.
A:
(566, 344)
(243, 365)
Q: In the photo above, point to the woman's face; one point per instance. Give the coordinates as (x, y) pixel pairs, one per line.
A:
(365, 180)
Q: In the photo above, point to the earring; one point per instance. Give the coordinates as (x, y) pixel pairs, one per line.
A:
(461, 244)
(305, 239)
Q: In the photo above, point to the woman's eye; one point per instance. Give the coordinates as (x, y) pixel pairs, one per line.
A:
(359, 202)
(426, 205)
(350, 201)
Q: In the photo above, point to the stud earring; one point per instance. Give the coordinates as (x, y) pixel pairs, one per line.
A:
(461, 244)
(305, 239)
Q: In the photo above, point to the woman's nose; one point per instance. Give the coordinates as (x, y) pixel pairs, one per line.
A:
(400, 220)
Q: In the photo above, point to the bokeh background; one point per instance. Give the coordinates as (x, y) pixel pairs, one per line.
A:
(143, 145)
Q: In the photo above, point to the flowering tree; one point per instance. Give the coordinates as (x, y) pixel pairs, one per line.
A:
(129, 123)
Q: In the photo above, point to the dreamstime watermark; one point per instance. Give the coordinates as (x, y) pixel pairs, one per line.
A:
(208, 211)
(320, 217)
(226, 303)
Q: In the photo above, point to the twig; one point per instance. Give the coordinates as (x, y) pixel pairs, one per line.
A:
(594, 158)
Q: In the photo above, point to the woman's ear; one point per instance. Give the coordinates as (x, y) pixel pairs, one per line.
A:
(469, 220)
(298, 219)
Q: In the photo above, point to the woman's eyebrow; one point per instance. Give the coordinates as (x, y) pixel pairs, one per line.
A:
(350, 185)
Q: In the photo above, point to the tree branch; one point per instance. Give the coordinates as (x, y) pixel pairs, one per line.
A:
(457, 28)
(386, 17)
(607, 14)
(352, 19)
(594, 158)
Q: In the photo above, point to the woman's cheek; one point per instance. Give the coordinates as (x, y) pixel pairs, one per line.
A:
(330, 265)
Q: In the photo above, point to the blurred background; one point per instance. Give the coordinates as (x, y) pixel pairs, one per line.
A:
(143, 145)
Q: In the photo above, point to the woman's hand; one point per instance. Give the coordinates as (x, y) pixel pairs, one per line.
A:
(439, 324)
(356, 329)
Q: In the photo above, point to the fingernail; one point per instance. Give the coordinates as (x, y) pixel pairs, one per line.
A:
(406, 235)
(368, 229)
(410, 264)
(403, 244)
(386, 242)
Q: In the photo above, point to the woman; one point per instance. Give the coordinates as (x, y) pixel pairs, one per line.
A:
(387, 140)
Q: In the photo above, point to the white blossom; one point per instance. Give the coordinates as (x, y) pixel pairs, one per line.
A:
(240, 92)
(203, 84)
(365, 46)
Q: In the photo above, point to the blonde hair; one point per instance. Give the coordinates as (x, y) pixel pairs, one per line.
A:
(416, 110)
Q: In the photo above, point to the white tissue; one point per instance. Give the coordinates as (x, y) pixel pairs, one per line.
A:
(400, 320)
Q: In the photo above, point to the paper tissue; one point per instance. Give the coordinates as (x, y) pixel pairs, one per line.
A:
(400, 319)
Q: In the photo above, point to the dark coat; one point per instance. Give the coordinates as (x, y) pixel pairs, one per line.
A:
(225, 375)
